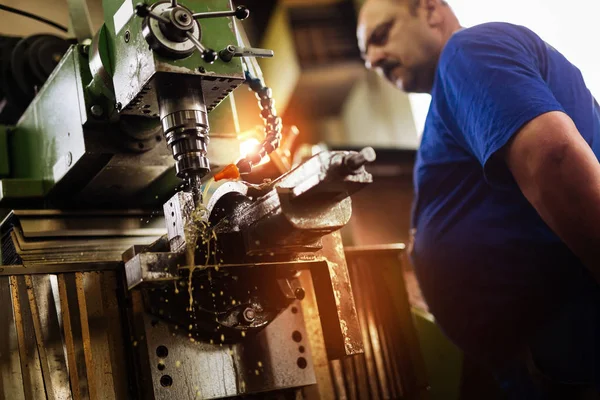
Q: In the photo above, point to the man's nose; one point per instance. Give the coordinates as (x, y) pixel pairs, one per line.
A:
(374, 58)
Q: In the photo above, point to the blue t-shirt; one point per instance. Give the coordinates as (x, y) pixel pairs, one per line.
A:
(485, 259)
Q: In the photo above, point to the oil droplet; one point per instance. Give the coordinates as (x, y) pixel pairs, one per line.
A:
(214, 295)
(190, 327)
(177, 364)
(192, 340)
(135, 343)
(221, 293)
(233, 302)
(217, 267)
(176, 327)
(222, 337)
(260, 364)
(256, 372)
(198, 393)
(212, 341)
(243, 333)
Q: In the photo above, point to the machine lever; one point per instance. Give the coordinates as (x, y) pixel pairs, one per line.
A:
(142, 10)
(235, 51)
(240, 13)
(209, 55)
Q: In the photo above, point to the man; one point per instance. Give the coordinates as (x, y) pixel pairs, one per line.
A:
(506, 218)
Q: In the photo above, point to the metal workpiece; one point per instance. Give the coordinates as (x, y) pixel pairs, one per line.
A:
(178, 213)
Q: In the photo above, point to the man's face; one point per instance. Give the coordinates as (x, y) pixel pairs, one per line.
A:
(401, 46)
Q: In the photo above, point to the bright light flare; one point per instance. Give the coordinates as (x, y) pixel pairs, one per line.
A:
(248, 146)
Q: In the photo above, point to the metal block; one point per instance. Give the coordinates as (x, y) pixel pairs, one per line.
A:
(341, 328)
(178, 211)
(49, 139)
(16, 189)
(183, 368)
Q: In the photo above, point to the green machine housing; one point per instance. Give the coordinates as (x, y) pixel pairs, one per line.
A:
(93, 136)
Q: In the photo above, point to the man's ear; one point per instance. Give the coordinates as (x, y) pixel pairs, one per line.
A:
(432, 10)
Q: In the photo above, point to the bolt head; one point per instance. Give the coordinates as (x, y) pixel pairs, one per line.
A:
(299, 293)
(249, 314)
(96, 110)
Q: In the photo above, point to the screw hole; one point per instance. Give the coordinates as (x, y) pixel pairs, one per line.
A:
(297, 336)
(294, 310)
(162, 351)
(127, 36)
(141, 145)
(158, 138)
(301, 349)
(172, 213)
(161, 367)
(167, 381)
(302, 363)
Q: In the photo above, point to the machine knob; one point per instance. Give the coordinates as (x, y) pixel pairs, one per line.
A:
(242, 12)
(209, 55)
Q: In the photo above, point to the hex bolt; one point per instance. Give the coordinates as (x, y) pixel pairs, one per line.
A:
(249, 315)
(96, 110)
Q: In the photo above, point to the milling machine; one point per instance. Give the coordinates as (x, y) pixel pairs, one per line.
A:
(205, 298)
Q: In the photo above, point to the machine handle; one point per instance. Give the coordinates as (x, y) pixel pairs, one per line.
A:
(235, 51)
(209, 55)
(241, 12)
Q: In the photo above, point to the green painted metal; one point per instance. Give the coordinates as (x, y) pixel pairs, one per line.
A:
(135, 64)
(21, 189)
(48, 139)
(4, 160)
(443, 360)
(101, 85)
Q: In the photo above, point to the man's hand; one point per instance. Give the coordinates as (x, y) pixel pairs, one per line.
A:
(560, 176)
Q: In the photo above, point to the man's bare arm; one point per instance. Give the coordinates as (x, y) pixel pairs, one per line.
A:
(560, 176)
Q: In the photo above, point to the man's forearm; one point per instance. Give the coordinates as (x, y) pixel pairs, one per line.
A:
(560, 175)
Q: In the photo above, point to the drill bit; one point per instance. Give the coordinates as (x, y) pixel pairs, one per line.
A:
(194, 182)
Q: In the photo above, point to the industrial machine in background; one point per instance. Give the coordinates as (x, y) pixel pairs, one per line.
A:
(120, 278)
